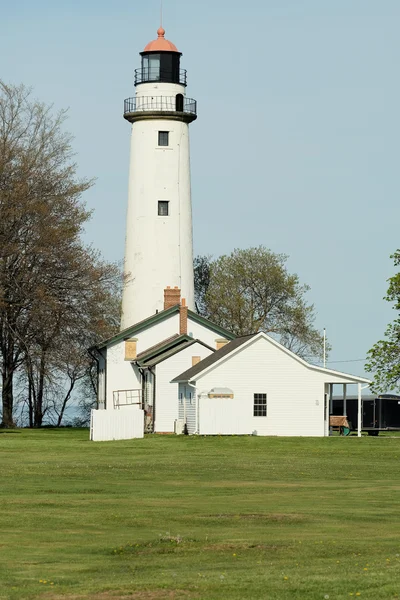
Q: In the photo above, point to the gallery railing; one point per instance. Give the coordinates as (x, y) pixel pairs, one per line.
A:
(160, 103)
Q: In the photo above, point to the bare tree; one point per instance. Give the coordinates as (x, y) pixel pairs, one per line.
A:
(53, 290)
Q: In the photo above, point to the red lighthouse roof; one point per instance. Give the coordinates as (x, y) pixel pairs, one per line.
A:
(161, 44)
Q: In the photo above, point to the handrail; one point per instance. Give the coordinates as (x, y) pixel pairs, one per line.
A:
(127, 398)
(159, 103)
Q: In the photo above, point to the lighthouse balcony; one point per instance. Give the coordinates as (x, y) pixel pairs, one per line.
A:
(171, 107)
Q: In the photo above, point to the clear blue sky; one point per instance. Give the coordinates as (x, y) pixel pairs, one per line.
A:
(296, 145)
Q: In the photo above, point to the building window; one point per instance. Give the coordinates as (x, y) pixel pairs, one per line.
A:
(163, 208)
(163, 138)
(260, 405)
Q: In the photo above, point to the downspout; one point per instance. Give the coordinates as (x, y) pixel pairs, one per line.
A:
(197, 428)
(91, 352)
(154, 397)
(141, 371)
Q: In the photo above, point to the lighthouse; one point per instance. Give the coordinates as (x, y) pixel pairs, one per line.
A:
(159, 239)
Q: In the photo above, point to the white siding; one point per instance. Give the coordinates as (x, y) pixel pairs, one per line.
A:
(124, 424)
(295, 393)
(188, 406)
(223, 416)
(190, 400)
(157, 333)
(167, 394)
(200, 332)
(121, 374)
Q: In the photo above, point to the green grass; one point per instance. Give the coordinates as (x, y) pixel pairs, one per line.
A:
(187, 517)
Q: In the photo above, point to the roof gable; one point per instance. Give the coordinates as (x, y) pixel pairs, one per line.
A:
(239, 344)
(138, 327)
(209, 361)
(210, 325)
(161, 316)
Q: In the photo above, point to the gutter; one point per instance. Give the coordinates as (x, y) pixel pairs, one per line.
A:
(141, 371)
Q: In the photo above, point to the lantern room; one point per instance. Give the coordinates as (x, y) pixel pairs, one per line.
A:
(160, 62)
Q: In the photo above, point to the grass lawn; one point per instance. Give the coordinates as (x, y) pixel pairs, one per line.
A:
(205, 518)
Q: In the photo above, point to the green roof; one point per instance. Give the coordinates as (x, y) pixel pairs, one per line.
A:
(167, 345)
(168, 352)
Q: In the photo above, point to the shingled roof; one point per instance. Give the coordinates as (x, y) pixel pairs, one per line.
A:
(191, 373)
(156, 354)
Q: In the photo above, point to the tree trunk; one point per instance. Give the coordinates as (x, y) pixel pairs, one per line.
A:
(30, 401)
(65, 402)
(40, 392)
(7, 394)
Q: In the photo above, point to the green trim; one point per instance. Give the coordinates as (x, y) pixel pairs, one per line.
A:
(210, 325)
(163, 348)
(172, 351)
(150, 362)
(164, 314)
(127, 333)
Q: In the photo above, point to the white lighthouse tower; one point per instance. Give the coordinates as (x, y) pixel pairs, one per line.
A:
(159, 242)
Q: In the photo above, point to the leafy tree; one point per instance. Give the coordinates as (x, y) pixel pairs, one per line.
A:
(53, 289)
(202, 274)
(384, 356)
(251, 290)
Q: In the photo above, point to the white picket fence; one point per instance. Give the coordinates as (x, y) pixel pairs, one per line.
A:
(124, 424)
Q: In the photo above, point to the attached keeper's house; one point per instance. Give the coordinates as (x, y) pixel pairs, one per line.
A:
(136, 366)
(200, 379)
(254, 385)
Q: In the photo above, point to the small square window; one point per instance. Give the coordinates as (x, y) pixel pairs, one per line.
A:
(163, 208)
(163, 138)
(260, 405)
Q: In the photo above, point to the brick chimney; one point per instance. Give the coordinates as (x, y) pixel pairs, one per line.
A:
(183, 318)
(172, 297)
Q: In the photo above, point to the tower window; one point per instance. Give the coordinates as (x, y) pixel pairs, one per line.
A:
(163, 138)
(260, 405)
(163, 208)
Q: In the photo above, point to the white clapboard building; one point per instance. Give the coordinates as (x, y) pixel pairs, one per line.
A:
(136, 366)
(254, 385)
(170, 370)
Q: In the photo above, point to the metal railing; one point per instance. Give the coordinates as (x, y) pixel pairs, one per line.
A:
(160, 103)
(127, 398)
(147, 75)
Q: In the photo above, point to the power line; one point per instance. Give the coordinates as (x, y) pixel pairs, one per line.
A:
(331, 362)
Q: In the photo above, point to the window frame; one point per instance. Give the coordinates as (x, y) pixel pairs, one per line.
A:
(160, 204)
(260, 405)
(160, 134)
